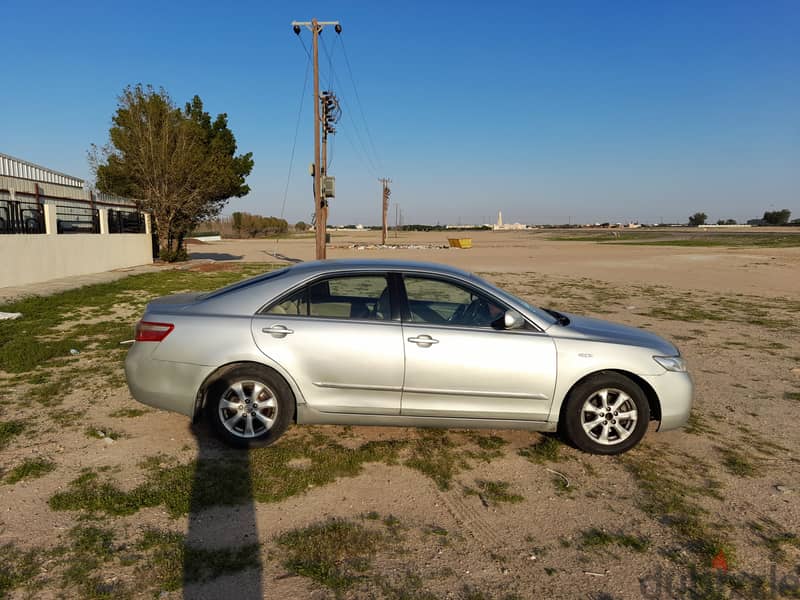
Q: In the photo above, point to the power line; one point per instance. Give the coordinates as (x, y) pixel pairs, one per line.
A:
(294, 143)
(357, 131)
(358, 99)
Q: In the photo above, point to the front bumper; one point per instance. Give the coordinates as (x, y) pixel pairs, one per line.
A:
(163, 384)
(675, 391)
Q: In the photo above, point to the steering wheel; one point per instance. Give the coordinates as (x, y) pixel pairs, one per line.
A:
(474, 313)
(458, 314)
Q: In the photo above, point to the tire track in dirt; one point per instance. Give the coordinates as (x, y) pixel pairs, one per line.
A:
(467, 515)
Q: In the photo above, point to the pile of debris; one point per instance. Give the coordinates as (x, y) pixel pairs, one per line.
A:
(430, 246)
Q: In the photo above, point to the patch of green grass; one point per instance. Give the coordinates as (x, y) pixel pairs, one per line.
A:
(697, 425)
(548, 449)
(170, 561)
(66, 418)
(22, 346)
(493, 492)
(791, 395)
(441, 455)
(485, 442)
(597, 538)
(435, 454)
(31, 468)
(336, 553)
(9, 430)
(228, 481)
(561, 486)
(98, 433)
(52, 393)
(18, 568)
(91, 547)
(128, 413)
(774, 537)
(736, 463)
(437, 530)
(668, 498)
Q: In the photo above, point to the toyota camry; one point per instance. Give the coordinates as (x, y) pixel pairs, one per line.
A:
(394, 343)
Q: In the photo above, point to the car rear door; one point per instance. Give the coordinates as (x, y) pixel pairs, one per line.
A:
(337, 339)
(458, 364)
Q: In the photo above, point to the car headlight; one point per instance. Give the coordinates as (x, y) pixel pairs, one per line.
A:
(671, 363)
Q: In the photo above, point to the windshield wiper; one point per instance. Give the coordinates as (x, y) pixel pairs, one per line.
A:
(560, 318)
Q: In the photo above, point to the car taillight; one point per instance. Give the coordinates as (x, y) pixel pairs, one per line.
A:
(147, 331)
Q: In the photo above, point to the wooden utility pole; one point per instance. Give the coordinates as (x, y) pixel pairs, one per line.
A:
(386, 193)
(320, 203)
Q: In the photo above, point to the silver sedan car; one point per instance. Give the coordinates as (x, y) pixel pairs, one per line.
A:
(404, 344)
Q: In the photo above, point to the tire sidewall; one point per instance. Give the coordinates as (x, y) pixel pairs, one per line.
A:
(283, 397)
(573, 428)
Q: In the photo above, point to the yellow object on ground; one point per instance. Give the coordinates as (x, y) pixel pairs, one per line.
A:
(460, 242)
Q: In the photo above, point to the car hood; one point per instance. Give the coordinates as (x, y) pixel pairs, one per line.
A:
(605, 331)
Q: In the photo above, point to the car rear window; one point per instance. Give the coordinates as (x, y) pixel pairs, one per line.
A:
(246, 283)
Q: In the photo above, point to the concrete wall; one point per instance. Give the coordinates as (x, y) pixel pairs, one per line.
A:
(33, 258)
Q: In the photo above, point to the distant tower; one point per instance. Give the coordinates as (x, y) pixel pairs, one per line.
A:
(500, 219)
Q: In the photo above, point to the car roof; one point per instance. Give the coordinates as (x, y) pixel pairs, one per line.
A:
(352, 264)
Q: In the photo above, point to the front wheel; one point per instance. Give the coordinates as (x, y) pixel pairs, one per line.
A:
(606, 414)
(249, 406)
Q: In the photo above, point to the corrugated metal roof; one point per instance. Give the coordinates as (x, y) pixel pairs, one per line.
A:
(22, 169)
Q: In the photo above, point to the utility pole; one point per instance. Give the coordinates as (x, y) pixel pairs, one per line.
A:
(386, 193)
(396, 219)
(320, 199)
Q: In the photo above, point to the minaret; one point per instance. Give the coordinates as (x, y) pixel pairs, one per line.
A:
(500, 219)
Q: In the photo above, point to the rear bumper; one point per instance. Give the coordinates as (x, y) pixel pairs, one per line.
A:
(675, 392)
(162, 384)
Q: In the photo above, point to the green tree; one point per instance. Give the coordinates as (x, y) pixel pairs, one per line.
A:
(697, 219)
(179, 165)
(777, 217)
(301, 226)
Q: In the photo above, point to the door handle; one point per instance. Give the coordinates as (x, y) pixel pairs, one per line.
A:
(425, 341)
(278, 331)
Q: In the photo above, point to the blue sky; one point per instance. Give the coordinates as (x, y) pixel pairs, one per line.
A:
(581, 111)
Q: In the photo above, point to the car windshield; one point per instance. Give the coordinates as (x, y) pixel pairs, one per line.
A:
(535, 310)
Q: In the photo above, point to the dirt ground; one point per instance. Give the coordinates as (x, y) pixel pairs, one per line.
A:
(647, 524)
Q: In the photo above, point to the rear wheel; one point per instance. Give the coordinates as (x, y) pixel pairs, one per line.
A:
(249, 406)
(606, 414)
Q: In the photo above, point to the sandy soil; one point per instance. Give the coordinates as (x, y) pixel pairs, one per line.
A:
(745, 376)
(769, 271)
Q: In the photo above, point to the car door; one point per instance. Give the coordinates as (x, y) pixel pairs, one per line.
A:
(336, 338)
(460, 362)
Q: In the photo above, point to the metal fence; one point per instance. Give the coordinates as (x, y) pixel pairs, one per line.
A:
(125, 221)
(75, 216)
(22, 215)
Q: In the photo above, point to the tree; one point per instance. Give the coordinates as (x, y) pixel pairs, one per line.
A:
(238, 223)
(726, 222)
(180, 166)
(777, 217)
(300, 226)
(697, 219)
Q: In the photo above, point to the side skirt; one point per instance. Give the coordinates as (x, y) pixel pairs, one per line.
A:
(308, 416)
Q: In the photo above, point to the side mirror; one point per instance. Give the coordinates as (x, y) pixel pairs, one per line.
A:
(513, 320)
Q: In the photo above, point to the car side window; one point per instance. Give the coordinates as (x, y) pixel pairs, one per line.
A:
(353, 297)
(296, 304)
(439, 302)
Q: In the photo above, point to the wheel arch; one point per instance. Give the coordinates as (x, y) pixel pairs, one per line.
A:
(652, 398)
(200, 398)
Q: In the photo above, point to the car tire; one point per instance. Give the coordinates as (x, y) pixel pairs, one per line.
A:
(249, 406)
(605, 414)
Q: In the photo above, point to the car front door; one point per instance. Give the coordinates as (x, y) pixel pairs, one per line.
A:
(461, 363)
(337, 339)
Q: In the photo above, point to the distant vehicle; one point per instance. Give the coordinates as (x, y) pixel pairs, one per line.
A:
(403, 344)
